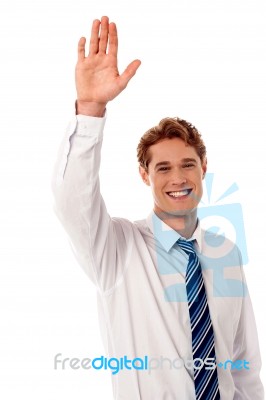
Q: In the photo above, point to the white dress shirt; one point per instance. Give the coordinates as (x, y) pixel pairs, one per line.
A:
(139, 272)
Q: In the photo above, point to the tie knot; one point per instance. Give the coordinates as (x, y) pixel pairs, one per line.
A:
(186, 245)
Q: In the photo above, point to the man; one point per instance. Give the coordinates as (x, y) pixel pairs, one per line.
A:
(159, 296)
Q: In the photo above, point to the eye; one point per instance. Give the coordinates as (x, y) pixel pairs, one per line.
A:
(163, 169)
(188, 165)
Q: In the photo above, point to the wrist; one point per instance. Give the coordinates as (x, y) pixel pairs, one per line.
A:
(90, 108)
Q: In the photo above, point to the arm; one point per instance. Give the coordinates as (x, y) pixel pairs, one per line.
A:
(99, 242)
(247, 381)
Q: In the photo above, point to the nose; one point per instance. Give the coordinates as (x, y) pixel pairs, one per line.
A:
(178, 178)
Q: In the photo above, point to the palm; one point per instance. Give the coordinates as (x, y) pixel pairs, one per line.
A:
(97, 76)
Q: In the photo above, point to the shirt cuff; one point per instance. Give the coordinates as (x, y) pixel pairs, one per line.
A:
(88, 126)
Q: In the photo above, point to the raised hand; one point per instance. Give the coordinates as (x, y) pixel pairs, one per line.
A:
(97, 77)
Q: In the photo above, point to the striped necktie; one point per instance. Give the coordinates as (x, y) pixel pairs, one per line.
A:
(205, 380)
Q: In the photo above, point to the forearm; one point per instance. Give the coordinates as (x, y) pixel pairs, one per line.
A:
(78, 203)
(98, 241)
(92, 109)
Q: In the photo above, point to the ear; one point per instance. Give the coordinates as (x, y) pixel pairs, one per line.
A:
(144, 175)
(204, 168)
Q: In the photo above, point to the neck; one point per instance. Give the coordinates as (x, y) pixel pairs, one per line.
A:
(185, 225)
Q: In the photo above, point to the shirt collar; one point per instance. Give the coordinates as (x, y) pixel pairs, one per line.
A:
(168, 236)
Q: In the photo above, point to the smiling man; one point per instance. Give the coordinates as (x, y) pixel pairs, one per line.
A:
(163, 296)
(172, 159)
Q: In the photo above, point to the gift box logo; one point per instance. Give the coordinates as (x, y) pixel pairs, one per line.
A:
(225, 221)
(224, 245)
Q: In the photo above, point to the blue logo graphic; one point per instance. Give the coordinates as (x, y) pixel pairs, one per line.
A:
(224, 220)
(223, 247)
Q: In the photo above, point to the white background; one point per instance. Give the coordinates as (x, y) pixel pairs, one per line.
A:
(202, 60)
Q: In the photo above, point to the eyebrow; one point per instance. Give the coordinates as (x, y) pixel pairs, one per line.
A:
(162, 163)
(189, 160)
(159, 164)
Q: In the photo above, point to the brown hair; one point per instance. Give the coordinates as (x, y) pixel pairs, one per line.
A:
(169, 128)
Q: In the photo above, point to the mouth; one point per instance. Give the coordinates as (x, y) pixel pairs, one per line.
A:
(180, 194)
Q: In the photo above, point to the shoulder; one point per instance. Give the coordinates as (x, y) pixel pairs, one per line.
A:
(139, 226)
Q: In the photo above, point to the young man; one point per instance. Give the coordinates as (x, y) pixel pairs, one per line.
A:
(163, 294)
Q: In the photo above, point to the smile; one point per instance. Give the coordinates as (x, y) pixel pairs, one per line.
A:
(180, 193)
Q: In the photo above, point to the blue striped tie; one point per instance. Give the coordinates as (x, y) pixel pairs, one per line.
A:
(205, 380)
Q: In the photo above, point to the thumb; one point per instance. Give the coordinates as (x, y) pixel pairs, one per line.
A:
(129, 72)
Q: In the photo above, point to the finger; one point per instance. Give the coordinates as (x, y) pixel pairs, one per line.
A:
(94, 40)
(113, 39)
(104, 34)
(81, 48)
(129, 73)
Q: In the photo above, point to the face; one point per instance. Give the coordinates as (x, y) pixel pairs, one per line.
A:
(175, 174)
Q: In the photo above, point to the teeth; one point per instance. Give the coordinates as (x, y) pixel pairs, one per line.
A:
(179, 194)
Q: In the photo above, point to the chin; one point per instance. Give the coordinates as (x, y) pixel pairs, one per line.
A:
(172, 213)
(181, 213)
